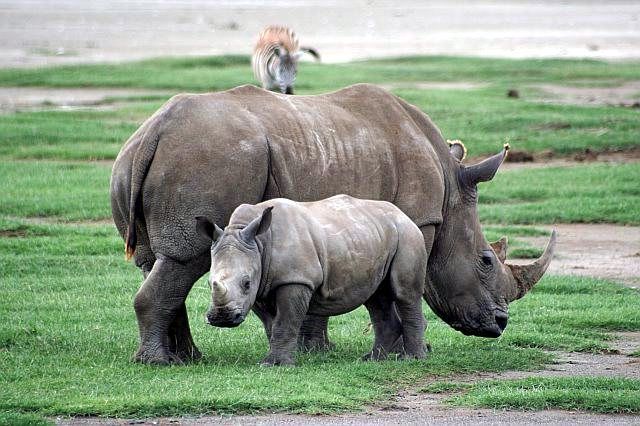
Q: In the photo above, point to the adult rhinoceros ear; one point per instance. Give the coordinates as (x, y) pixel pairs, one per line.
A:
(500, 248)
(205, 227)
(485, 170)
(257, 226)
(457, 149)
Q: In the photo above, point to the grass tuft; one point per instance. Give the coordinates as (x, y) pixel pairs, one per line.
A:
(597, 394)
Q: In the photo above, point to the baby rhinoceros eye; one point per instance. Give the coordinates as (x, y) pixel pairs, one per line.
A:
(246, 285)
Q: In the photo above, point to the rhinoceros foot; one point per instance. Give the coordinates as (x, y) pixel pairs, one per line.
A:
(155, 357)
(186, 354)
(419, 353)
(181, 346)
(375, 355)
(311, 343)
(272, 360)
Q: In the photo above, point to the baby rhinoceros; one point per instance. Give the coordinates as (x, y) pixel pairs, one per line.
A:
(287, 259)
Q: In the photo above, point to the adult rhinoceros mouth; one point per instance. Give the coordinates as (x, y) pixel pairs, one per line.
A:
(492, 327)
(491, 331)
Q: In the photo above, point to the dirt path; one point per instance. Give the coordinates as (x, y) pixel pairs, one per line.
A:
(26, 98)
(626, 94)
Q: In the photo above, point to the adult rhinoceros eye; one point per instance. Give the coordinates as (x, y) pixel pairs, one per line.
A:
(487, 257)
(246, 285)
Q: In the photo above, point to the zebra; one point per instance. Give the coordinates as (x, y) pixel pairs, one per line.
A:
(275, 58)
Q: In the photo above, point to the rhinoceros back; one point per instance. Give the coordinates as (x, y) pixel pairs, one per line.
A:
(358, 141)
(216, 151)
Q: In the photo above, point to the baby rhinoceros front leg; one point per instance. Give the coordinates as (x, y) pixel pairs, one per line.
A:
(292, 302)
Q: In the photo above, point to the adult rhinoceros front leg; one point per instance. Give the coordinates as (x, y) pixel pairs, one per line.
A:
(162, 317)
(386, 324)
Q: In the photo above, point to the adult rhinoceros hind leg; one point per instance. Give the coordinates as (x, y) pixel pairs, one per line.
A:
(314, 334)
(181, 346)
(165, 337)
(386, 324)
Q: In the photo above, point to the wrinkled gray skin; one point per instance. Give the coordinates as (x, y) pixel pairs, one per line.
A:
(204, 155)
(326, 258)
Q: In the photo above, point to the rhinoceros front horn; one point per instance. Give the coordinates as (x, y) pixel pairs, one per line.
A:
(526, 276)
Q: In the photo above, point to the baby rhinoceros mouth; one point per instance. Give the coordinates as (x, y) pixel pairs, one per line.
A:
(225, 317)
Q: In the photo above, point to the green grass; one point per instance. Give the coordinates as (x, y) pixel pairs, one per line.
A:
(214, 73)
(484, 118)
(600, 193)
(71, 135)
(593, 193)
(21, 419)
(69, 327)
(598, 394)
(66, 349)
(70, 191)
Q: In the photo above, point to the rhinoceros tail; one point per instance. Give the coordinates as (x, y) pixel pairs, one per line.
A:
(139, 168)
(130, 241)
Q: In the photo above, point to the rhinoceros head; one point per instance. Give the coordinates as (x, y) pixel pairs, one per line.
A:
(471, 284)
(236, 269)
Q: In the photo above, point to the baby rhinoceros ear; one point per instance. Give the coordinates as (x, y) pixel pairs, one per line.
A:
(257, 226)
(205, 227)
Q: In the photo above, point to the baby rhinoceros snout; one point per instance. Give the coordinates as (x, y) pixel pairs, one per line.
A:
(224, 317)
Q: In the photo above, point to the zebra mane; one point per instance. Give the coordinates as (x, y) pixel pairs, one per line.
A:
(277, 36)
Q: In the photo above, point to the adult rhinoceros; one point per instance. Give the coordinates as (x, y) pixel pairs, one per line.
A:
(204, 155)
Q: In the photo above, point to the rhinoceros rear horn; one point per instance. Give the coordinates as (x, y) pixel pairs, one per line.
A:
(257, 226)
(485, 170)
(526, 276)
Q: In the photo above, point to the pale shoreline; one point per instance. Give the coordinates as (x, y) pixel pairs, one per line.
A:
(40, 32)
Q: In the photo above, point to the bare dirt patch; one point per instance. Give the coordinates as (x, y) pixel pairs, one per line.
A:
(532, 160)
(59, 221)
(626, 94)
(23, 98)
(434, 85)
(13, 234)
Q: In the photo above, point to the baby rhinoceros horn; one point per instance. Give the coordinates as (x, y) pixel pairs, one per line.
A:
(526, 276)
